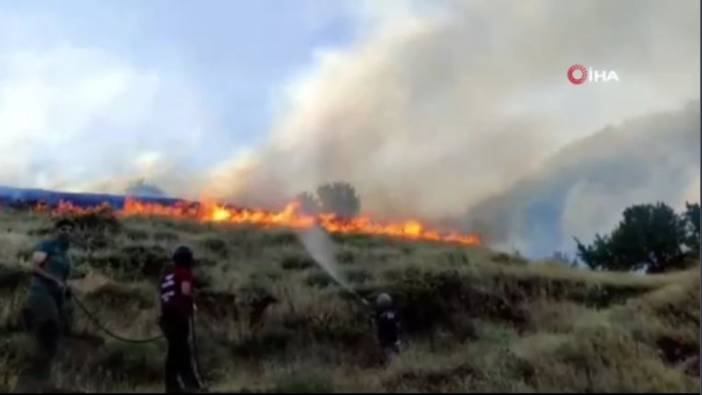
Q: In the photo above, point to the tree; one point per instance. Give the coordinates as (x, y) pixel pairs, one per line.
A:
(691, 217)
(339, 198)
(141, 188)
(308, 203)
(649, 237)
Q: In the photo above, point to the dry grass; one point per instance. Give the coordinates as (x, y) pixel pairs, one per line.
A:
(270, 320)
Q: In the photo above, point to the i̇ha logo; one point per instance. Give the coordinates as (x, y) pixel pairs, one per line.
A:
(579, 74)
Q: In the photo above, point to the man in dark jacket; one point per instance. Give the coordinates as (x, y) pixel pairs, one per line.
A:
(177, 308)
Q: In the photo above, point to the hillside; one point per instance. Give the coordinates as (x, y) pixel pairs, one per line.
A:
(271, 319)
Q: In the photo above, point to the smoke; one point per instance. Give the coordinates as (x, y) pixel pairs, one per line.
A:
(585, 187)
(442, 110)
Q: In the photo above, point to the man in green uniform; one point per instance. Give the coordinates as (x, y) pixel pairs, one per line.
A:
(46, 307)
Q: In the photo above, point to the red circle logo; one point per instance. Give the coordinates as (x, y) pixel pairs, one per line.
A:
(572, 74)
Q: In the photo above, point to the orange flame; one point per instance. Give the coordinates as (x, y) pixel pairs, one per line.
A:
(290, 217)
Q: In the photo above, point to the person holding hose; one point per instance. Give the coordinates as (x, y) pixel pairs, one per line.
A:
(388, 326)
(47, 312)
(177, 308)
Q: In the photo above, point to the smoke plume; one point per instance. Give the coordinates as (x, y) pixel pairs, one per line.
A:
(447, 109)
(585, 187)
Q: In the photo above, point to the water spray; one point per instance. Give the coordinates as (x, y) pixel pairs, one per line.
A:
(323, 250)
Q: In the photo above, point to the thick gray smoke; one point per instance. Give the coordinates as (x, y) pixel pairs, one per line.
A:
(587, 185)
(433, 114)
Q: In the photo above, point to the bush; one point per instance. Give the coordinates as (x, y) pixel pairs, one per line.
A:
(455, 257)
(166, 236)
(94, 221)
(203, 278)
(266, 275)
(296, 262)
(319, 279)
(280, 238)
(345, 256)
(362, 241)
(419, 297)
(205, 262)
(359, 276)
(137, 234)
(215, 245)
(134, 262)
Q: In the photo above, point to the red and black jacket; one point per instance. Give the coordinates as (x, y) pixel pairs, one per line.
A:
(173, 301)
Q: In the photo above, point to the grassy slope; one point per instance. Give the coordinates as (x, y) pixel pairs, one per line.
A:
(477, 321)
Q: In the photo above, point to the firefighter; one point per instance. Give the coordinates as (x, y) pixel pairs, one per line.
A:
(388, 327)
(177, 308)
(46, 312)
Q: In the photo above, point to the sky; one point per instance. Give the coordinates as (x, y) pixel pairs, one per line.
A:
(429, 108)
(193, 83)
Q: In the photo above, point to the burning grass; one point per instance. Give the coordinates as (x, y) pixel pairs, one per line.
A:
(290, 217)
(271, 320)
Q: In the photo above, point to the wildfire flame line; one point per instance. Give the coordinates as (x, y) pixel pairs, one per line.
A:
(290, 217)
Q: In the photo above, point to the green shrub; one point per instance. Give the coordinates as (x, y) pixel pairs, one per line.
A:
(359, 276)
(166, 236)
(135, 261)
(203, 278)
(215, 245)
(345, 257)
(422, 297)
(280, 238)
(319, 279)
(296, 262)
(456, 257)
(266, 276)
(205, 262)
(136, 234)
(99, 219)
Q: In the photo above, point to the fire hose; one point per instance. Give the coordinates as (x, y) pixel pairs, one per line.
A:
(97, 323)
(193, 343)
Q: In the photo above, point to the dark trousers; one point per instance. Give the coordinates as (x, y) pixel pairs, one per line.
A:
(179, 362)
(36, 374)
